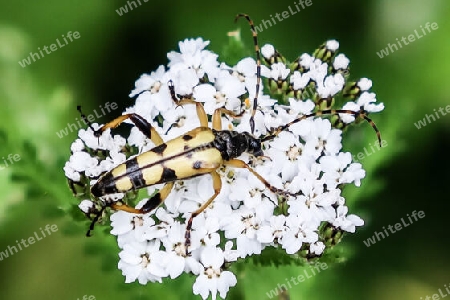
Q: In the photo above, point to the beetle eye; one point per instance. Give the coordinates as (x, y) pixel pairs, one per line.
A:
(255, 148)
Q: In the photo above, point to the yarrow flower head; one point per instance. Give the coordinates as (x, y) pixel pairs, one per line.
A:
(303, 163)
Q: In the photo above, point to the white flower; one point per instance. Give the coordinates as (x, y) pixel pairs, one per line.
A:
(247, 67)
(193, 56)
(176, 259)
(179, 120)
(341, 62)
(331, 85)
(130, 227)
(319, 136)
(306, 60)
(366, 102)
(347, 223)
(77, 146)
(268, 51)
(230, 254)
(317, 248)
(365, 84)
(184, 81)
(189, 52)
(142, 262)
(213, 279)
(299, 80)
(243, 225)
(86, 205)
(274, 230)
(205, 232)
(162, 229)
(301, 107)
(318, 70)
(244, 125)
(299, 231)
(71, 173)
(338, 169)
(82, 161)
(285, 151)
(315, 203)
(279, 71)
(149, 82)
(333, 45)
(248, 190)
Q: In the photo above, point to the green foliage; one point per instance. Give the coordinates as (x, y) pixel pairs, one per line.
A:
(235, 50)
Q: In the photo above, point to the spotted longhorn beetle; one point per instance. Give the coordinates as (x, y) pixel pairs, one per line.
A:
(200, 151)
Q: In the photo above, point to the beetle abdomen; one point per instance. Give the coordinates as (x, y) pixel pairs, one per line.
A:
(189, 155)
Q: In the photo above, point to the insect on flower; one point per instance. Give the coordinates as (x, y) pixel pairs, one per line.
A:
(201, 151)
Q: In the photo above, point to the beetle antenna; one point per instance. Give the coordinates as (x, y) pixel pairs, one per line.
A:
(258, 67)
(356, 114)
(95, 220)
(83, 116)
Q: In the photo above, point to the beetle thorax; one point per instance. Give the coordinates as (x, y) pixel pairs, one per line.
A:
(232, 144)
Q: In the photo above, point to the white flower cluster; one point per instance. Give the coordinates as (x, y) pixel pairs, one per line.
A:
(245, 218)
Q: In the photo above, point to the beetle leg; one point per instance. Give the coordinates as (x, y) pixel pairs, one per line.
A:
(148, 130)
(137, 120)
(217, 185)
(199, 107)
(150, 205)
(241, 164)
(217, 117)
(157, 199)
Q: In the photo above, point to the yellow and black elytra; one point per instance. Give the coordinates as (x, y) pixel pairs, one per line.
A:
(197, 152)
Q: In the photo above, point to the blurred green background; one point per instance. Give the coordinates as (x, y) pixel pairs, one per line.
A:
(102, 65)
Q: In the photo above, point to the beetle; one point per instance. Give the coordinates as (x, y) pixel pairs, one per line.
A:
(198, 152)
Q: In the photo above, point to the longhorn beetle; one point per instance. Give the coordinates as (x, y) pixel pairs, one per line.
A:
(197, 152)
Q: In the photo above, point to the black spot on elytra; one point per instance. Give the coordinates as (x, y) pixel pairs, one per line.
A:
(168, 175)
(105, 185)
(186, 147)
(197, 165)
(131, 165)
(135, 174)
(187, 137)
(152, 203)
(159, 149)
